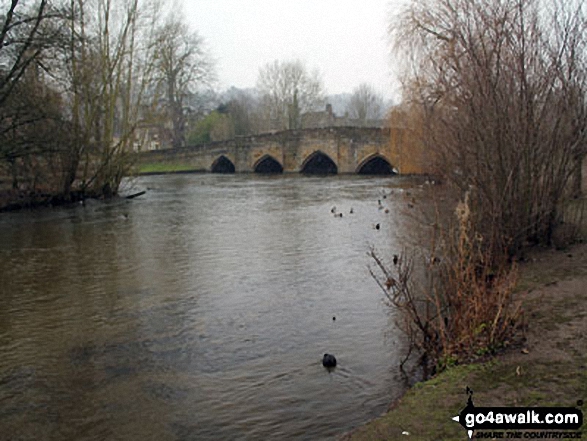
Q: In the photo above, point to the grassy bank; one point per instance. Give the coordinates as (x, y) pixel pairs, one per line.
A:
(548, 368)
(163, 168)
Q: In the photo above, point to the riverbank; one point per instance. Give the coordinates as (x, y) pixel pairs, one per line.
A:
(548, 369)
(12, 200)
(161, 168)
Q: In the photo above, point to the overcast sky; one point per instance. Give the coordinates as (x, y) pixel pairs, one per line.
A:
(345, 40)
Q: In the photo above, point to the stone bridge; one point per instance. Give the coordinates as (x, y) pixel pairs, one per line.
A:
(312, 151)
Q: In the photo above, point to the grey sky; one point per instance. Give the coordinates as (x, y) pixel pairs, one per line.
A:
(345, 40)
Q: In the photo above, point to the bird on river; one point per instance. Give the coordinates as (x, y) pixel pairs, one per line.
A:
(329, 361)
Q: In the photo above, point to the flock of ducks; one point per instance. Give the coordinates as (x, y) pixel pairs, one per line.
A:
(410, 204)
(329, 360)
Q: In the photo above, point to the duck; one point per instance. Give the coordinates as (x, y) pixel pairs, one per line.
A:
(328, 361)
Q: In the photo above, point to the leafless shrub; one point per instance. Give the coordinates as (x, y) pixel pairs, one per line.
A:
(497, 91)
(287, 91)
(463, 306)
(500, 86)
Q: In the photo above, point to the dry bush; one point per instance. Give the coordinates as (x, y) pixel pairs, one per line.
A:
(463, 306)
(502, 89)
(497, 91)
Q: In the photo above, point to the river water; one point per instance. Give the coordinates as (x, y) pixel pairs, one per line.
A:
(200, 310)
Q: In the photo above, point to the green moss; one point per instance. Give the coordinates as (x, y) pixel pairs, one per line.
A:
(426, 410)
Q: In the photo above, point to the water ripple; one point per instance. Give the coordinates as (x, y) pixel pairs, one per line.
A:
(198, 311)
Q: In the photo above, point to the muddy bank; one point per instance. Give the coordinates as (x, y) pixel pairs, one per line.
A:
(11, 200)
(14, 200)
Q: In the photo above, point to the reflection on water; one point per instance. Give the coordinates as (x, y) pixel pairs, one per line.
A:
(199, 311)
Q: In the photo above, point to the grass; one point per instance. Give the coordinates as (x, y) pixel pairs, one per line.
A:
(161, 168)
(425, 411)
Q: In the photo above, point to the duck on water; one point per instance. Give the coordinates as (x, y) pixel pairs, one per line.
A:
(329, 361)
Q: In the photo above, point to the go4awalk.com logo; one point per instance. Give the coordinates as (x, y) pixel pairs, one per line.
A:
(520, 422)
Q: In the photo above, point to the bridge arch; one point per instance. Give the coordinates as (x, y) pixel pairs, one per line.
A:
(222, 165)
(319, 163)
(267, 164)
(376, 164)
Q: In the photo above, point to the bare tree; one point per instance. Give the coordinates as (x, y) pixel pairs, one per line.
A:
(183, 68)
(21, 40)
(501, 85)
(365, 104)
(496, 89)
(31, 129)
(31, 110)
(288, 91)
(72, 83)
(109, 60)
(26, 33)
(242, 107)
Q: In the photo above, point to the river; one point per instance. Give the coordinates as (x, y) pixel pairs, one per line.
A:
(200, 310)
